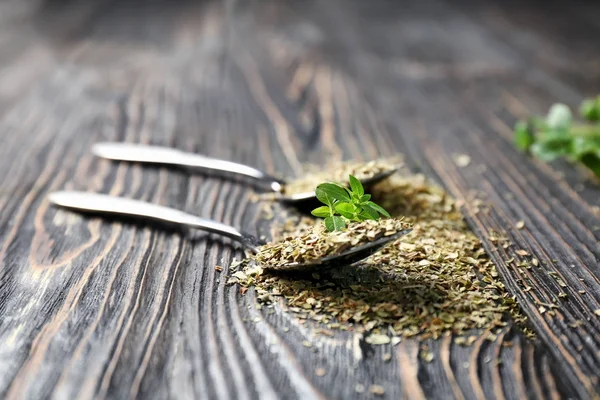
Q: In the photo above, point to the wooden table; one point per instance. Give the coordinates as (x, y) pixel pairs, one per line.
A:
(97, 308)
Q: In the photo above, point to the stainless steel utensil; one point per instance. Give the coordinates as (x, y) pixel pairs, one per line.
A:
(170, 156)
(121, 206)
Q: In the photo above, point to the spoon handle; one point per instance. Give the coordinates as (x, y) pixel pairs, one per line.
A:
(166, 155)
(105, 204)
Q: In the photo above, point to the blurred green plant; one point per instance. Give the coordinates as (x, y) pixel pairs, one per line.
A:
(559, 135)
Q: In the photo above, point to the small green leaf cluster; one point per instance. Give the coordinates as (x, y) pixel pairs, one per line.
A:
(590, 109)
(344, 204)
(559, 135)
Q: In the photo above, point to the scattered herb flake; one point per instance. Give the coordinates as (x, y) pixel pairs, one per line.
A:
(378, 339)
(520, 224)
(377, 390)
(576, 324)
(561, 283)
(427, 356)
(462, 160)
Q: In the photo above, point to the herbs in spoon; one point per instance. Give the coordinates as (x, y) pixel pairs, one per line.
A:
(316, 243)
(351, 219)
(338, 172)
(559, 135)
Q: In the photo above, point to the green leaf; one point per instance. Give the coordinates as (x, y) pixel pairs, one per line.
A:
(356, 186)
(590, 109)
(559, 117)
(523, 136)
(339, 223)
(592, 161)
(329, 224)
(323, 212)
(334, 223)
(379, 209)
(363, 216)
(537, 123)
(345, 210)
(324, 197)
(365, 198)
(586, 145)
(552, 147)
(372, 213)
(334, 191)
(543, 152)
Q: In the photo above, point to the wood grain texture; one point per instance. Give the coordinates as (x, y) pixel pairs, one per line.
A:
(91, 308)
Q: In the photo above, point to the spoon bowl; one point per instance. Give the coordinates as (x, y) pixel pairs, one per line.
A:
(124, 207)
(309, 197)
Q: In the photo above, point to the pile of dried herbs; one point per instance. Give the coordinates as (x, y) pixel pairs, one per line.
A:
(316, 243)
(436, 279)
(338, 173)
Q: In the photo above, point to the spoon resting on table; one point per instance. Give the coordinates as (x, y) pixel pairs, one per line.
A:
(169, 156)
(124, 207)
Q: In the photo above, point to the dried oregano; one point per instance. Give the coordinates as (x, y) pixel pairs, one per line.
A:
(338, 173)
(317, 243)
(436, 279)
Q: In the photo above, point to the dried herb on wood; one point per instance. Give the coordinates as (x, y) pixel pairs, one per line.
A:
(434, 280)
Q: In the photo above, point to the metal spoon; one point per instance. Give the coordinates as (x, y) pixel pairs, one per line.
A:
(121, 206)
(170, 156)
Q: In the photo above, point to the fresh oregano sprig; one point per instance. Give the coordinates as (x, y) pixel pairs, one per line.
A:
(559, 135)
(343, 204)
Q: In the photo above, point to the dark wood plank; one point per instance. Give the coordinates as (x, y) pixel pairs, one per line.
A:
(94, 308)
